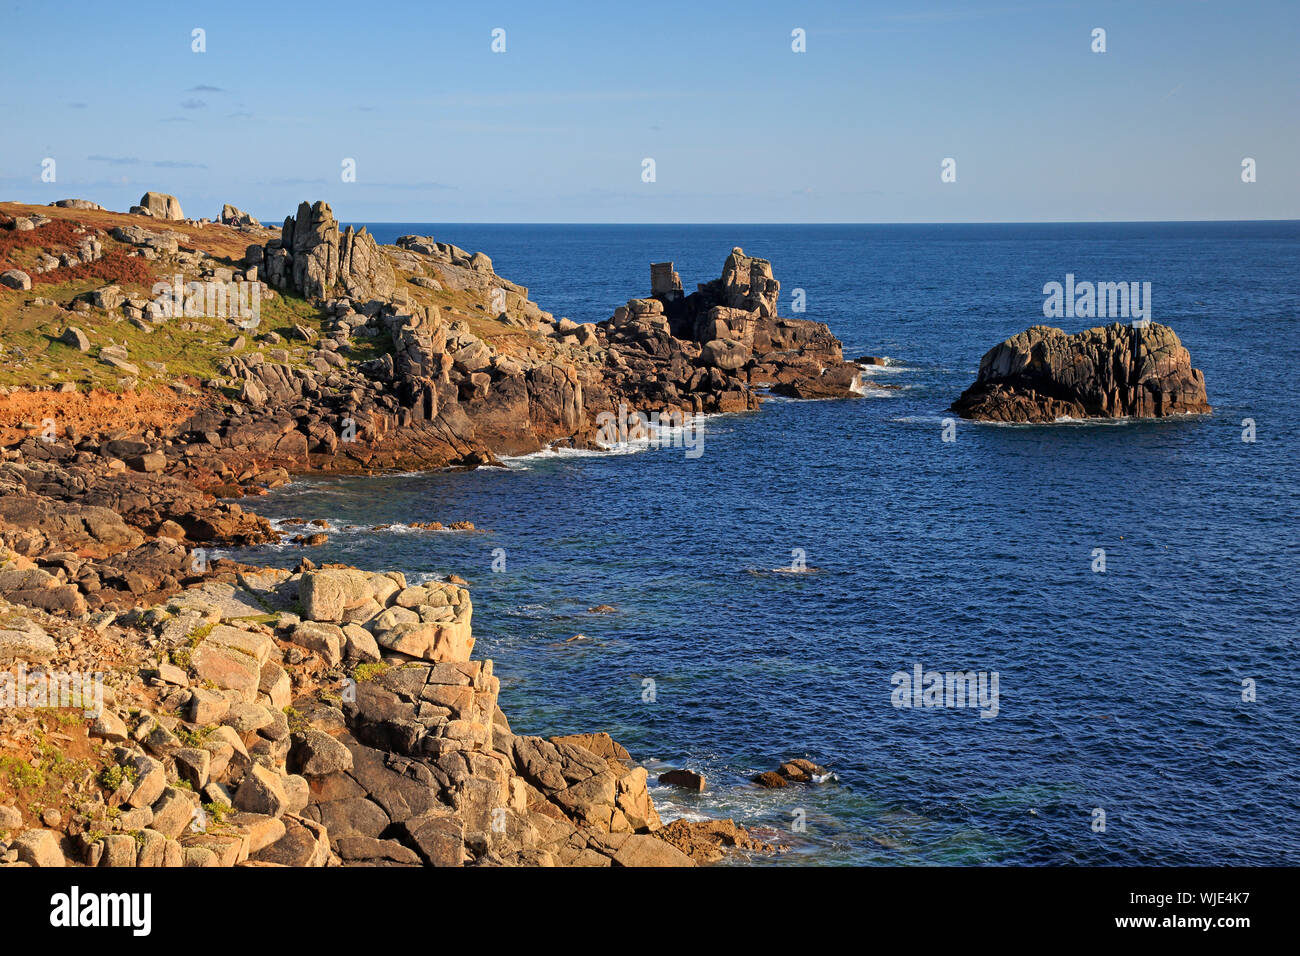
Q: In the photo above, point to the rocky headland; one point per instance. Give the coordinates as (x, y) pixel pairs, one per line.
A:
(158, 368)
(1114, 371)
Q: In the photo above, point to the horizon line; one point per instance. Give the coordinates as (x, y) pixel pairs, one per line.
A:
(756, 222)
(914, 222)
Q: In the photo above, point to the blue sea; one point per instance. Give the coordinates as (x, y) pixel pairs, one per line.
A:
(1123, 732)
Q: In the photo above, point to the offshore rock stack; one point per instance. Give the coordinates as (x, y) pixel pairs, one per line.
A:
(1116, 371)
(709, 351)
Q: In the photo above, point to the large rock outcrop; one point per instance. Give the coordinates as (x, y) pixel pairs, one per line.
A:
(1114, 371)
(307, 740)
(708, 351)
(314, 258)
(451, 392)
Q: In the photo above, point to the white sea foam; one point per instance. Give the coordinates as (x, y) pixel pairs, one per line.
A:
(890, 367)
(550, 453)
(1067, 420)
(921, 419)
(661, 437)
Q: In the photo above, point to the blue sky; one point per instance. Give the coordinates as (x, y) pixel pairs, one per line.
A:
(741, 129)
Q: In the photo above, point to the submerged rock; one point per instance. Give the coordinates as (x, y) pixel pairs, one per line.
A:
(1114, 371)
(707, 841)
(686, 779)
(798, 770)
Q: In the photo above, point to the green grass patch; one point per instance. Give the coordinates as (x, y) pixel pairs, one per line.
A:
(21, 774)
(369, 671)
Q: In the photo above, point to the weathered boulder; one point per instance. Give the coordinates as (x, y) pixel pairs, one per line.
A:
(324, 639)
(438, 837)
(116, 356)
(664, 282)
(150, 781)
(642, 850)
(802, 770)
(305, 843)
(173, 811)
(232, 659)
(232, 216)
(39, 848)
(837, 381)
(329, 594)
(23, 640)
(261, 791)
(76, 338)
(162, 205)
(315, 753)
(726, 354)
(110, 297)
(799, 770)
(16, 279)
(1113, 371)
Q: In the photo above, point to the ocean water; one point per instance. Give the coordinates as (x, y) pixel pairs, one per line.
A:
(1119, 691)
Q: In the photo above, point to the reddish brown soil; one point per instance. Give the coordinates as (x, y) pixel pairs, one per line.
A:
(92, 412)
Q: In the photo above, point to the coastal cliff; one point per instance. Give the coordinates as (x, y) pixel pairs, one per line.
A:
(323, 717)
(310, 716)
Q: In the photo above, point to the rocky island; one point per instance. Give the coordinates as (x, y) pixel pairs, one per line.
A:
(157, 369)
(1115, 371)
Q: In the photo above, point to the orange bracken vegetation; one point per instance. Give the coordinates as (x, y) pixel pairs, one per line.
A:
(62, 235)
(225, 242)
(115, 267)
